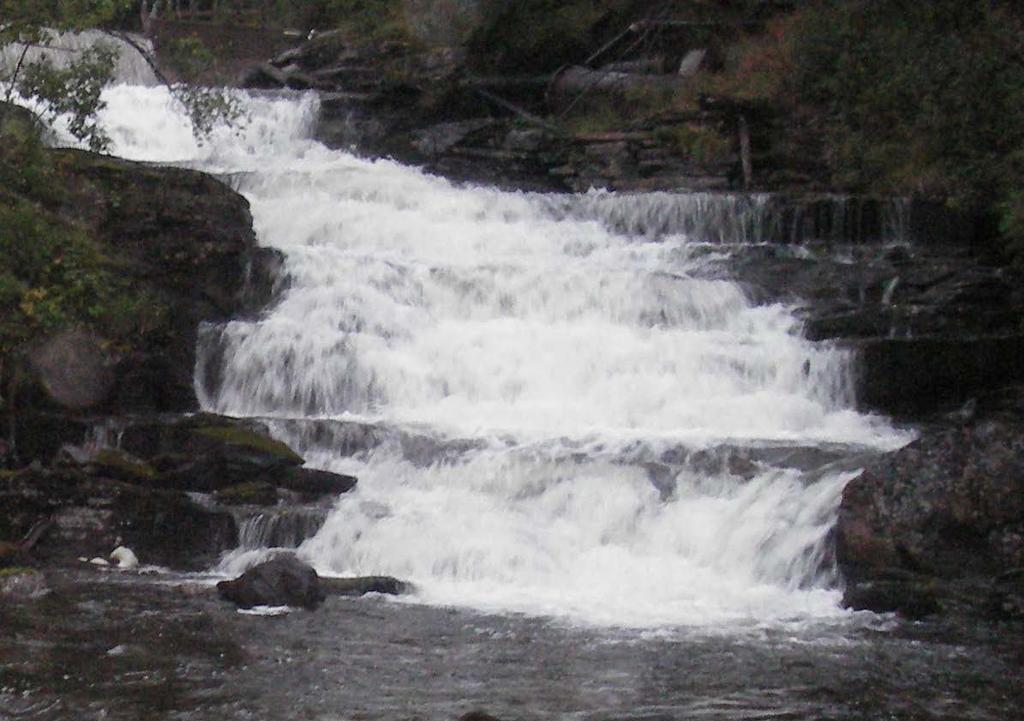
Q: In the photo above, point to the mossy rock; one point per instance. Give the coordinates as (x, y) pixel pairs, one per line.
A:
(123, 466)
(250, 440)
(255, 493)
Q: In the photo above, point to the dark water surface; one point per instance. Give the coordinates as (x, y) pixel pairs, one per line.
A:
(104, 646)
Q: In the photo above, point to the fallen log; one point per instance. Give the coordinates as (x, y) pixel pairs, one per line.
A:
(571, 82)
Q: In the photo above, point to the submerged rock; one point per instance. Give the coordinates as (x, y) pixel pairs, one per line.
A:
(363, 585)
(281, 581)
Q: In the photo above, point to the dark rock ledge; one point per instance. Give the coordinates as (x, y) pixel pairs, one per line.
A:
(164, 492)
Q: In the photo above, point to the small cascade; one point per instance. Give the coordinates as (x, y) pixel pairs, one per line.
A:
(742, 218)
(283, 527)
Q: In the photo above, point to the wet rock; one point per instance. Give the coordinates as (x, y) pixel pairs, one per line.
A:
(116, 464)
(282, 581)
(478, 716)
(184, 238)
(365, 584)
(264, 77)
(912, 599)
(92, 515)
(42, 435)
(207, 453)
(22, 584)
(257, 493)
(1005, 600)
(12, 555)
(949, 506)
(312, 484)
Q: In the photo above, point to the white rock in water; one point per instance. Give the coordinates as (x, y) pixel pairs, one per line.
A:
(99, 561)
(125, 557)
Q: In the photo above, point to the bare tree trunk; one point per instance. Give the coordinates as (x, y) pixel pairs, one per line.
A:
(17, 71)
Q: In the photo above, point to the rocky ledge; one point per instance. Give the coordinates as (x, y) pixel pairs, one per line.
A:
(174, 491)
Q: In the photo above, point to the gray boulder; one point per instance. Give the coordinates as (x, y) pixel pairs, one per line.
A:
(281, 581)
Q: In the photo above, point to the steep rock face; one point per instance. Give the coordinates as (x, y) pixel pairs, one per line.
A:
(947, 509)
(933, 322)
(182, 236)
(950, 503)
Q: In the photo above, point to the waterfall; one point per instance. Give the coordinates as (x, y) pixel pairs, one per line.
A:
(131, 68)
(529, 387)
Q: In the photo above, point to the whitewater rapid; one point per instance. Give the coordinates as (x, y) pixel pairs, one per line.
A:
(545, 378)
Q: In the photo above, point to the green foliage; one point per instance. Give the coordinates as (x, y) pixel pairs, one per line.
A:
(29, 20)
(377, 19)
(206, 107)
(701, 143)
(904, 97)
(53, 275)
(73, 91)
(542, 35)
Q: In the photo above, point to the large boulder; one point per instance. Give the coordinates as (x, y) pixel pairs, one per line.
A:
(186, 240)
(281, 581)
(942, 517)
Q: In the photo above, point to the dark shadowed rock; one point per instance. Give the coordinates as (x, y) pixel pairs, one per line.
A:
(312, 484)
(478, 716)
(947, 507)
(364, 584)
(909, 376)
(184, 238)
(257, 493)
(281, 581)
(909, 598)
(90, 516)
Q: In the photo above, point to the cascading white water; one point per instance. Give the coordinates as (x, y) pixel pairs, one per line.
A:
(63, 48)
(537, 375)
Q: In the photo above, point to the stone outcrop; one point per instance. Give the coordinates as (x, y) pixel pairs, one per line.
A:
(143, 493)
(186, 239)
(942, 518)
(933, 322)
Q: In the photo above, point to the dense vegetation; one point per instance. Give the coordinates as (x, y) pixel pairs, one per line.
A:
(915, 98)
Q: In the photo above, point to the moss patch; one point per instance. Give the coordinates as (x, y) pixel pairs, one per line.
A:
(12, 571)
(245, 438)
(255, 493)
(124, 466)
